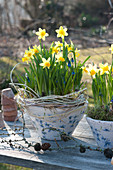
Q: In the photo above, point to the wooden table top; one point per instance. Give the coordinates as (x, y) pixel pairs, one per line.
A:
(66, 156)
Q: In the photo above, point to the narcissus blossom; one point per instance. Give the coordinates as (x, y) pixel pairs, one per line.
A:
(55, 50)
(92, 70)
(59, 57)
(46, 63)
(104, 68)
(42, 34)
(62, 32)
(77, 52)
(85, 69)
(28, 55)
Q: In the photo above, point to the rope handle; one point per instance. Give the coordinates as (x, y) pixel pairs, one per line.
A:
(20, 84)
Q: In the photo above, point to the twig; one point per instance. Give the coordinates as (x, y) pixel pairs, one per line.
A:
(57, 143)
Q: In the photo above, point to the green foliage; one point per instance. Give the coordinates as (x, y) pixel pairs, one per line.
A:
(102, 87)
(54, 73)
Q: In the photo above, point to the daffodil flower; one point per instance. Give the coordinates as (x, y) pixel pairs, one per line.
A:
(62, 32)
(69, 49)
(36, 49)
(55, 50)
(42, 34)
(29, 53)
(92, 70)
(104, 68)
(58, 44)
(111, 49)
(46, 63)
(66, 44)
(77, 52)
(85, 69)
(26, 59)
(59, 57)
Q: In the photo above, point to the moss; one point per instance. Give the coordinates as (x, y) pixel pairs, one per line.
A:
(100, 113)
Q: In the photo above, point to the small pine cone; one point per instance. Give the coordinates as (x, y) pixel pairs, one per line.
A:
(45, 146)
(82, 149)
(37, 147)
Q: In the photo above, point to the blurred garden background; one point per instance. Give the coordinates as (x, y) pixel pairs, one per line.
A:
(89, 26)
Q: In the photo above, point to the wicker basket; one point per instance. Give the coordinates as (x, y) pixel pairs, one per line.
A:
(52, 115)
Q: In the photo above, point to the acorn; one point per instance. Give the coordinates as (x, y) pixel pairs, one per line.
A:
(82, 149)
(45, 146)
(108, 153)
(37, 147)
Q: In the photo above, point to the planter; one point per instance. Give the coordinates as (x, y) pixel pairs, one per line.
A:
(102, 132)
(51, 123)
(9, 106)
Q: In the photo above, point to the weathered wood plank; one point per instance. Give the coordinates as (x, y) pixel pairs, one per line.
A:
(69, 157)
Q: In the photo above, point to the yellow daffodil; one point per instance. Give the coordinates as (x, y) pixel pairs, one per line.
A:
(104, 68)
(66, 44)
(46, 63)
(35, 49)
(62, 32)
(26, 59)
(42, 34)
(77, 52)
(58, 44)
(69, 49)
(29, 53)
(111, 49)
(85, 69)
(59, 57)
(92, 70)
(55, 50)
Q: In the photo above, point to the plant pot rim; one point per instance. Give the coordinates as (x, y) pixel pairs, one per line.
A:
(97, 120)
(54, 100)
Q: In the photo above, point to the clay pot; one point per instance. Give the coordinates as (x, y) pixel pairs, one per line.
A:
(8, 93)
(10, 118)
(7, 101)
(6, 108)
(9, 106)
